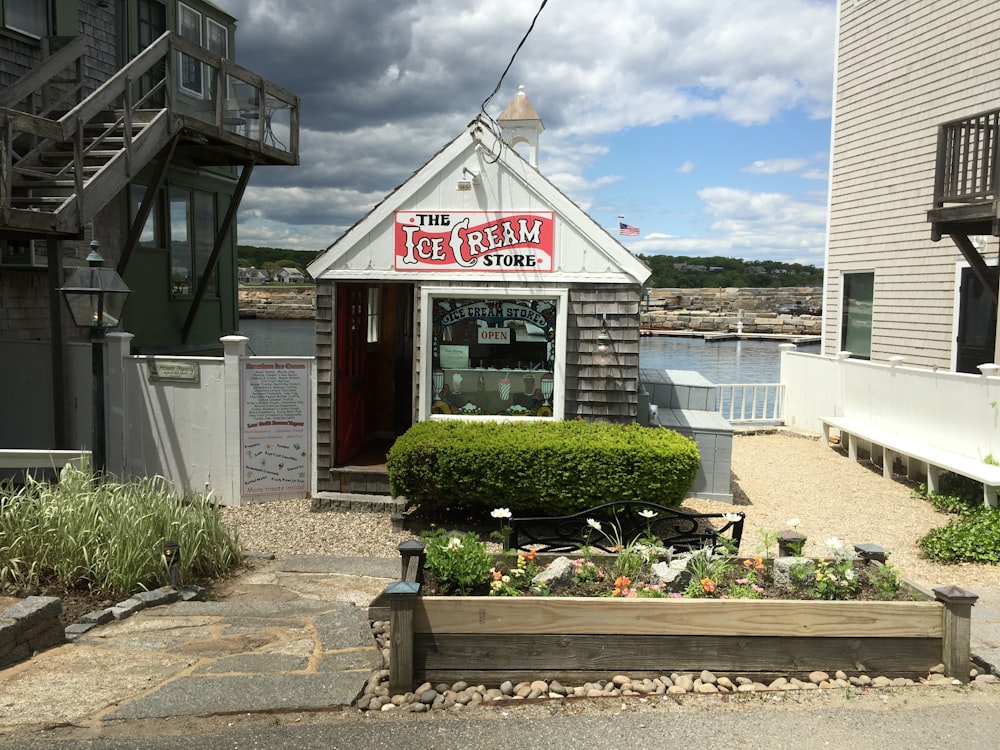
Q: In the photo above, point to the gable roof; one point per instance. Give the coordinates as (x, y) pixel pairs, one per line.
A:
(496, 179)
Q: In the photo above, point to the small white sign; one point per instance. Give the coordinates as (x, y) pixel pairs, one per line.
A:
(494, 335)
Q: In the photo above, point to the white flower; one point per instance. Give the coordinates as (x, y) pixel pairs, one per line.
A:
(647, 513)
(454, 543)
(732, 517)
(793, 522)
(501, 513)
(834, 543)
(849, 574)
(594, 524)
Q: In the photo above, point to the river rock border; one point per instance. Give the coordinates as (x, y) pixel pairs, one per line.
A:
(460, 695)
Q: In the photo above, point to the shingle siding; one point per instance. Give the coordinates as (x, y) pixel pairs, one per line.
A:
(904, 67)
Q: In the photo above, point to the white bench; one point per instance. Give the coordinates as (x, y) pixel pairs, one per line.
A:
(40, 458)
(934, 460)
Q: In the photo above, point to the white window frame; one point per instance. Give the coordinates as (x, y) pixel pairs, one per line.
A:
(842, 312)
(212, 25)
(560, 294)
(182, 59)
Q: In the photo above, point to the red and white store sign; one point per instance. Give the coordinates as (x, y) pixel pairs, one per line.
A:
(512, 242)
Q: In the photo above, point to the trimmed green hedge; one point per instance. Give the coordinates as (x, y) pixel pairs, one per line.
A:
(550, 468)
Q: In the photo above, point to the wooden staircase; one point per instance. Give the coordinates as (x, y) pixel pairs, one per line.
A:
(61, 164)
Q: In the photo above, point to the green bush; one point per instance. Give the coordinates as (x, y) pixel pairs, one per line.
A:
(973, 535)
(553, 468)
(107, 536)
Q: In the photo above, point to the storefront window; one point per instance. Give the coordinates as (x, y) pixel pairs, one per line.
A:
(493, 356)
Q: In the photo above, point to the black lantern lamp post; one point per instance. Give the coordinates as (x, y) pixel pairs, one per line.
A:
(96, 296)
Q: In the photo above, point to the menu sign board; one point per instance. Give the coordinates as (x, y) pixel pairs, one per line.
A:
(276, 426)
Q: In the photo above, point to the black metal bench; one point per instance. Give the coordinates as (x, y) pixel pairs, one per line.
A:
(683, 530)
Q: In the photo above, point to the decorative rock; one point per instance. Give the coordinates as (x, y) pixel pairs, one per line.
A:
(781, 571)
(459, 686)
(620, 680)
(539, 685)
(675, 689)
(881, 682)
(507, 687)
(556, 688)
(666, 574)
(707, 677)
(840, 675)
(777, 684)
(559, 571)
(428, 696)
(817, 677)
(725, 682)
(685, 682)
(707, 687)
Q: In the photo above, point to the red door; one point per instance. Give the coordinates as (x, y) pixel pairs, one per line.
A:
(352, 319)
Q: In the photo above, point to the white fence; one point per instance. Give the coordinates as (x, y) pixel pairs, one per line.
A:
(181, 418)
(751, 403)
(956, 412)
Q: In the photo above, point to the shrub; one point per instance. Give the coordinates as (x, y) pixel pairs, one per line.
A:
(972, 537)
(107, 536)
(554, 468)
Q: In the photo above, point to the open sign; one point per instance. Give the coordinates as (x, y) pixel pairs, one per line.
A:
(494, 335)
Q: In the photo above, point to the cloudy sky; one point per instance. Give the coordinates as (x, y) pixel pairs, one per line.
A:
(706, 124)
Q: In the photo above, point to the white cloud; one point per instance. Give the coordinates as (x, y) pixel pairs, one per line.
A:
(776, 166)
(385, 85)
(685, 168)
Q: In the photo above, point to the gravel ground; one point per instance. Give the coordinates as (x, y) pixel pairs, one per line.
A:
(776, 476)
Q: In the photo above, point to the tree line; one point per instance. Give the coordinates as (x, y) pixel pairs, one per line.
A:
(669, 271)
(695, 273)
(273, 258)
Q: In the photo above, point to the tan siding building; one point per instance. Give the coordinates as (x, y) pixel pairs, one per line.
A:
(904, 67)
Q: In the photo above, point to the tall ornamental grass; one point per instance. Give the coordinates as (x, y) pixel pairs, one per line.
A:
(107, 536)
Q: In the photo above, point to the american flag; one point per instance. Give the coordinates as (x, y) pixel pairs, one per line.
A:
(627, 230)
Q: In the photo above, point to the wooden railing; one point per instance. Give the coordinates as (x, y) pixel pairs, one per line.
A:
(265, 117)
(967, 159)
(743, 403)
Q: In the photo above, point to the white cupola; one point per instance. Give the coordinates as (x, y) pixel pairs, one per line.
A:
(520, 123)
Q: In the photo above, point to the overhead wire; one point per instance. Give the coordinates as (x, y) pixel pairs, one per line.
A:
(494, 126)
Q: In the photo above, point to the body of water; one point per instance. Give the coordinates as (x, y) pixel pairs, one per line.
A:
(745, 361)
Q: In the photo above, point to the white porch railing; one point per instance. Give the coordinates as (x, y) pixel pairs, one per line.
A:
(743, 403)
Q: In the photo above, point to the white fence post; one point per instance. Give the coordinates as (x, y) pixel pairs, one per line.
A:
(116, 398)
(235, 348)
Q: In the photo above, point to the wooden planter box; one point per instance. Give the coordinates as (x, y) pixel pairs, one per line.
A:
(574, 639)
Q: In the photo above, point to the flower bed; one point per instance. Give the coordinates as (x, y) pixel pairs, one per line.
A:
(492, 639)
(510, 636)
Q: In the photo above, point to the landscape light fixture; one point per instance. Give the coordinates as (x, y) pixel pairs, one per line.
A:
(96, 296)
(604, 352)
(171, 557)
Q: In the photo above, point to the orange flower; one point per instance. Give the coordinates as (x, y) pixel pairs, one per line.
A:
(707, 585)
(497, 575)
(531, 556)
